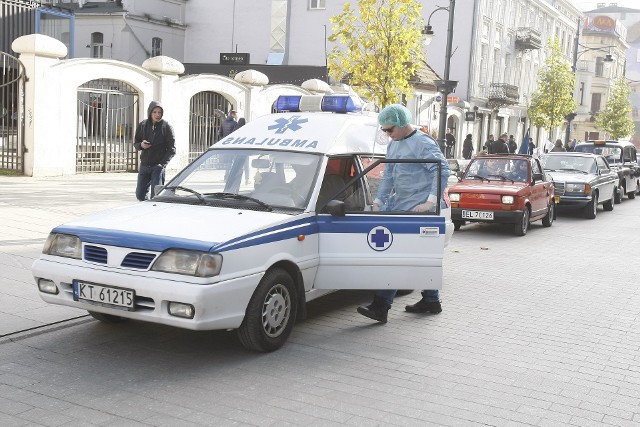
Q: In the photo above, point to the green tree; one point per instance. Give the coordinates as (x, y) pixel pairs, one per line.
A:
(378, 47)
(616, 119)
(553, 99)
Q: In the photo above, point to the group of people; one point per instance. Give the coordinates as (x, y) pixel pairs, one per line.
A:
(155, 139)
(558, 146)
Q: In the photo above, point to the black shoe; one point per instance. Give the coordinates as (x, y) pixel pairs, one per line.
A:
(377, 310)
(423, 306)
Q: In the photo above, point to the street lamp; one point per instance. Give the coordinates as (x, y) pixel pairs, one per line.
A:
(608, 59)
(444, 86)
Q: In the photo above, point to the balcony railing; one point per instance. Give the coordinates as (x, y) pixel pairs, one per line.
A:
(528, 39)
(503, 94)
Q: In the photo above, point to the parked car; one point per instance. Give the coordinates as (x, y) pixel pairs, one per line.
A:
(622, 158)
(509, 188)
(215, 250)
(582, 181)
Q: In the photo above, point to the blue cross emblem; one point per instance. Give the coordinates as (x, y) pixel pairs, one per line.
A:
(380, 238)
(292, 123)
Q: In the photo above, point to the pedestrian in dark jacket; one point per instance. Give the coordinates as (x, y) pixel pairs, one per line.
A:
(512, 144)
(155, 140)
(229, 124)
(499, 146)
(487, 144)
(467, 147)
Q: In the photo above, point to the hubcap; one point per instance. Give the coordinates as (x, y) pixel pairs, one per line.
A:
(276, 310)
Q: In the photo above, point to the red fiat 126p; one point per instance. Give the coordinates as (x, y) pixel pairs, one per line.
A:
(509, 189)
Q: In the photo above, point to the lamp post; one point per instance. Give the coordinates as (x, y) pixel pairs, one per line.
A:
(608, 58)
(444, 86)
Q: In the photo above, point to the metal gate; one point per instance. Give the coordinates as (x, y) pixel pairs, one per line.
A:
(12, 146)
(207, 110)
(107, 119)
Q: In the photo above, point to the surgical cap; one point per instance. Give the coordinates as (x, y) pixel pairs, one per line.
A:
(394, 115)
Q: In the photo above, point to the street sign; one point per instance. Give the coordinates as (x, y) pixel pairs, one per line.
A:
(234, 58)
(470, 116)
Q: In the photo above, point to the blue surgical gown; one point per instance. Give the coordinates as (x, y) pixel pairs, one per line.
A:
(406, 185)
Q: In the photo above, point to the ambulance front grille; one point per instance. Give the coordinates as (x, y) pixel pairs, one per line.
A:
(95, 254)
(138, 260)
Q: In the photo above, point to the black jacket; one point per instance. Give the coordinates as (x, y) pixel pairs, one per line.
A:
(160, 136)
(498, 147)
(228, 125)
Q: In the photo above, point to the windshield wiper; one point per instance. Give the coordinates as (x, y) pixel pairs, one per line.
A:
(188, 190)
(475, 176)
(574, 170)
(240, 197)
(502, 177)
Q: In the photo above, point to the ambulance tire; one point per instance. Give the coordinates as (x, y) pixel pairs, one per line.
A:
(271, 313)
(107, 318)
(403, 292)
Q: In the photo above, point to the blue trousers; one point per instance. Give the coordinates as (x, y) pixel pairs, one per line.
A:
(429, 295)
(148, 176)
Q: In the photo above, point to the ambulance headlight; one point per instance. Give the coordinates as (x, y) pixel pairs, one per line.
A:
(454, 197)
(192, 263)
(65, 245)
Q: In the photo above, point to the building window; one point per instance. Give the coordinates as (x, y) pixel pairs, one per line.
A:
(599, 66)
(156, 46)
(317, 4)
(97, 45)
(595, 102)
(484, 64)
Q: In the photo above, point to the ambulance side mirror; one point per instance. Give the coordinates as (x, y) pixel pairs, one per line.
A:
(335, 208)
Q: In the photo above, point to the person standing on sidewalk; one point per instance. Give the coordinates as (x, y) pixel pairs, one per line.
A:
(155, 140)
(409, 187)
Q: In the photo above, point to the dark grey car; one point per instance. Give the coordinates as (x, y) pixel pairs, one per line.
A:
(622, 158)
(582, 181)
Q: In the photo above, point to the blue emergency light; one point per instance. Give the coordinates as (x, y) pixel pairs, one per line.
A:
(327, 103)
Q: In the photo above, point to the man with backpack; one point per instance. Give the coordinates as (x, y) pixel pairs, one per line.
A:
(155, 140)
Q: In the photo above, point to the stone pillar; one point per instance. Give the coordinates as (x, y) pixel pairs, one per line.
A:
(44, 156)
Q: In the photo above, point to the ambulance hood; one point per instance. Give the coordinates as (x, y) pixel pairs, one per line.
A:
(156, 226)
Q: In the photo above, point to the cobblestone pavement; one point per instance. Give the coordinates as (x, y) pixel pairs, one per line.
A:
(537, 330)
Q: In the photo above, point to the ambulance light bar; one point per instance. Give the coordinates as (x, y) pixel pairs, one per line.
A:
(327, 103)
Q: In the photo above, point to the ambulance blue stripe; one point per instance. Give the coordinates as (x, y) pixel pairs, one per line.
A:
(129, 239)
(359, 224)
(364, 223)
(289, 230)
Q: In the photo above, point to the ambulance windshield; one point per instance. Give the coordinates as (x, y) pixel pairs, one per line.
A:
(246, 179)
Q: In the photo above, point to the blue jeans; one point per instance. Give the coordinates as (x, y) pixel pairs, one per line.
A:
(148, 176)
(429, 295)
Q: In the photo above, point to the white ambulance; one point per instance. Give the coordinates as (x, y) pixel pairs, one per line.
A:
(274, 215)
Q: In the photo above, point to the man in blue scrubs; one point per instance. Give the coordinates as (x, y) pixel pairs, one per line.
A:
(407, 187)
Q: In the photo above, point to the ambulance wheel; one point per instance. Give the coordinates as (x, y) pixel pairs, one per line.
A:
(107, 318)
(270, 314)
(403, 292)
